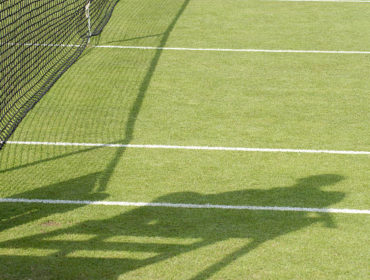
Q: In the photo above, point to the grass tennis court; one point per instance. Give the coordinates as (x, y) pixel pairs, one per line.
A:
(203, 98)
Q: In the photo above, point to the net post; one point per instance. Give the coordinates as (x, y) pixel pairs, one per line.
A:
(87, 12)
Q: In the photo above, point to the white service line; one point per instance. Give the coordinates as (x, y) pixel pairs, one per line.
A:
(205, 148)
(200, 49)
(233, 50)
(185, 205)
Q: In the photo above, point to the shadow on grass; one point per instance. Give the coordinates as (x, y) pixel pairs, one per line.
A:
(171, 12)
(136, 38)
(106, 248)
(81, 188)
(120, 237)
(135, 109)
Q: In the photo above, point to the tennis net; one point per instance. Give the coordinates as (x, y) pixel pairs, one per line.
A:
(39, 41)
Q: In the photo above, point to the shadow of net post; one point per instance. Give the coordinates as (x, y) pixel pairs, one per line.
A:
(135, 109)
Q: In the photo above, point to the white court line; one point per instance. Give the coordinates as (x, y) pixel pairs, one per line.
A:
(201, 49)
(185, 205)
(233, 50)
(206, 148)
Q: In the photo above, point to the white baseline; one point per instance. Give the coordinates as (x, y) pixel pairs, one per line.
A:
(204, 148)
(185, 205)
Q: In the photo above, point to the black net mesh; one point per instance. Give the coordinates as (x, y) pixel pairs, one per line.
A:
(39, 41)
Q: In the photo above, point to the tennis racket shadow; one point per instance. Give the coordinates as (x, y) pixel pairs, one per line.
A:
(109, 248)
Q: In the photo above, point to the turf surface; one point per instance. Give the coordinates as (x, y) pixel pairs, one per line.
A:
(308, 101)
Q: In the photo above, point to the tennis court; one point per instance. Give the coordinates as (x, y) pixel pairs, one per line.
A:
(199, 139)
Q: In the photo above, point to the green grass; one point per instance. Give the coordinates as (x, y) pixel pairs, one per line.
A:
(307, 101)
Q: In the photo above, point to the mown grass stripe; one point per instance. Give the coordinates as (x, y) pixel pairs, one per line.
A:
(186, 205)
(332, 1)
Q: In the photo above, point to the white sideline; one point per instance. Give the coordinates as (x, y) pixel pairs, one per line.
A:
(207, 148)
(232, 50)
(185, 205)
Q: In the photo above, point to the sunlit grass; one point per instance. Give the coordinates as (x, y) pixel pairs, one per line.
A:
(306, 101)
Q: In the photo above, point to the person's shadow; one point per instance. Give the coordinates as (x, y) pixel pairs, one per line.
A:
(139, 230)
